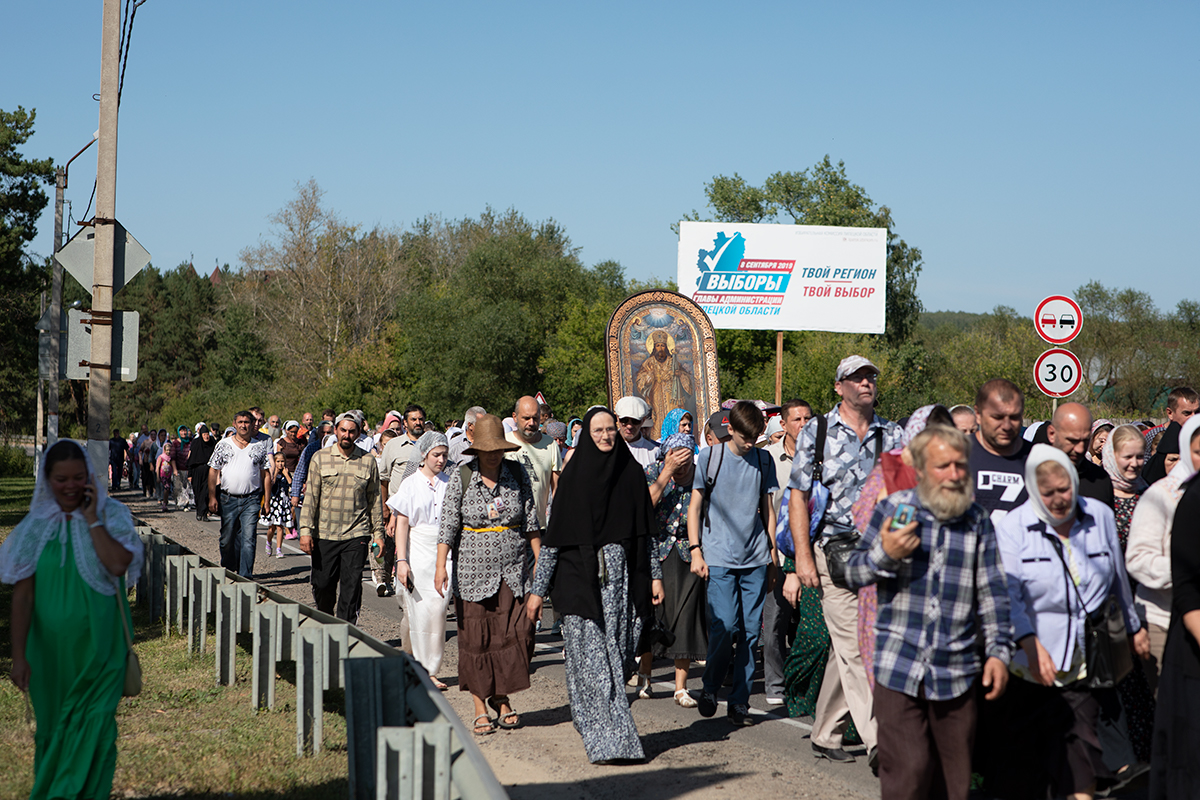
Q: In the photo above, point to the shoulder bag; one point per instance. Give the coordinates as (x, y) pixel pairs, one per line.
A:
(839, 545)
(1106, 640)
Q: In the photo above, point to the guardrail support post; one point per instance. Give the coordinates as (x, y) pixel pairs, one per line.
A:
(289, 632)
(247, 598)
(197, 629)
(266, 628)
(310, 690)
(226, 640)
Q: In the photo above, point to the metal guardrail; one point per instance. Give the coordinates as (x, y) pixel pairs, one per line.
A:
(404, 739)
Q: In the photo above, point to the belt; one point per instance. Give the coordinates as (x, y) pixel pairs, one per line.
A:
(247, 494)
(494, 529)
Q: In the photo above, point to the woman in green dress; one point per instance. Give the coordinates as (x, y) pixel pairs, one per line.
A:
(67, 558)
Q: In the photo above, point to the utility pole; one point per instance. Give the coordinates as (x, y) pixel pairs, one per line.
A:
(100, 365)
(56, 283)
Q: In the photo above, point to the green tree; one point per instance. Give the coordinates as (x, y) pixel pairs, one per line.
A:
(23, 277)
(824, 195)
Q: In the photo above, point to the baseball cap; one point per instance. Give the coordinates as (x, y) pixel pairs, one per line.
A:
(852, 364)
(718, 423)
(632, 408)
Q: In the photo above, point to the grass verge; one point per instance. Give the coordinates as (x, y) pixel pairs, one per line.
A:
(183, 737)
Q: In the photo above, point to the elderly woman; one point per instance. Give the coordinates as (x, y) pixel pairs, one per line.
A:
(684, 610)
(70, 621)
(416, 514)
(1064, 562)
(198, 457)
(596, 554)
(1148, 551)
(487, 517)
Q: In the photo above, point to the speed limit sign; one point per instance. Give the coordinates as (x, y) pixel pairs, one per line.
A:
(1058, 372)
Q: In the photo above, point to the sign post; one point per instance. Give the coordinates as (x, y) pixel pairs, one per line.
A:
(1058, 372)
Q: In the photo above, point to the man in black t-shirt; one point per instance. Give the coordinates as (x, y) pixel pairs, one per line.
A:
(998, 458)
(1070, 431)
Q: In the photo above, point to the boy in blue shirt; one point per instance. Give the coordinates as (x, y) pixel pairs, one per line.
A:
(732, 514)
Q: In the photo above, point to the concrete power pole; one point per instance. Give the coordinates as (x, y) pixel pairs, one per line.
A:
(100, 366)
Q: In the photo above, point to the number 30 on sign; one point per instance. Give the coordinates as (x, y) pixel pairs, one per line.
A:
(1058, 372)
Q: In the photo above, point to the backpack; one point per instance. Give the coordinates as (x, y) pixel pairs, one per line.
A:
(710, 482)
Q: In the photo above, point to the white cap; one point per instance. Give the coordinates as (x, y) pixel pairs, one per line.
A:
(852, 364)
(632, 408)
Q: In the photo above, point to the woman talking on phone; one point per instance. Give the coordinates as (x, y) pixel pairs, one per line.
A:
(69, 558)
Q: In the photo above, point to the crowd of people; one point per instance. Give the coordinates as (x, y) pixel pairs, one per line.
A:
(978, 602)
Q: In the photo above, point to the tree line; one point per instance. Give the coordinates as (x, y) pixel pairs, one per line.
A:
(450, 313)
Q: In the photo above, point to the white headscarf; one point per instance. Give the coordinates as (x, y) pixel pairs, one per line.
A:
(1184, 469)
(47, 522)
(1040, 454)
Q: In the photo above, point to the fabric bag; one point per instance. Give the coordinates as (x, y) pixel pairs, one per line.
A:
(133, 667)
(818, 498)
(1106, 640)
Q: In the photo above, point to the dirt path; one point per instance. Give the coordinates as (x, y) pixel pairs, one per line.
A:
(687, 756)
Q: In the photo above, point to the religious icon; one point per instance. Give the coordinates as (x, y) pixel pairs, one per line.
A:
(661, 346)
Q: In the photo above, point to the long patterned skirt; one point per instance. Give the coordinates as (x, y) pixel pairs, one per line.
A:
(599, 657)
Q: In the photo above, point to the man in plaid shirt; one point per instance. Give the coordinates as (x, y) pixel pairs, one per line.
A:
(941, 587)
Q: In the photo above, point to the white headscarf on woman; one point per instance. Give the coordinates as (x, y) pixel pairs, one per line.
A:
(1180, 473)
(46, 522)
(1040, 454)
(1108, 459)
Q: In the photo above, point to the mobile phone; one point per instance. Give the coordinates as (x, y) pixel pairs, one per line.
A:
(904, 515)
(89, 494)
(408, 584)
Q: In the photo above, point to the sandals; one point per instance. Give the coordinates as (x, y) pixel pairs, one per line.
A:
(684, 699)
(484, 729)
(441, 687)
(642, 681)
(498, 701)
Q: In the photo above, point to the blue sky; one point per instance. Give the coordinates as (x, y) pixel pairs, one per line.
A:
(1026, 148)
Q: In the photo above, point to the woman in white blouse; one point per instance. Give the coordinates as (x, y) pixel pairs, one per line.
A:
(416, 513)
(1148, 553)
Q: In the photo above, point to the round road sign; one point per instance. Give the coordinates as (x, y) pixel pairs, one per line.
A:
(1058, 372)
(1058, 319)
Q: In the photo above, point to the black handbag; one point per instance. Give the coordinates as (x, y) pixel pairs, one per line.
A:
(838, 548)
(1106, 640)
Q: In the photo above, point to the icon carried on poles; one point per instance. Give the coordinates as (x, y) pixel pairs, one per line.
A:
(1058, 319)
(1058, 372)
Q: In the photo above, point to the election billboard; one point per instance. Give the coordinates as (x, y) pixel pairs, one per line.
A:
(785, 277)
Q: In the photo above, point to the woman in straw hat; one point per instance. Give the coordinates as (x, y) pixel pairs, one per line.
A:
(487, 516)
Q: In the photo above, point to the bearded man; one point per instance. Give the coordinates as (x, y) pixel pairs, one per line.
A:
(941, 588)
(662, 380)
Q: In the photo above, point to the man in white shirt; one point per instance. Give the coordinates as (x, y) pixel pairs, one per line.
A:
(539, 454)
(631, 413)
(239, 469)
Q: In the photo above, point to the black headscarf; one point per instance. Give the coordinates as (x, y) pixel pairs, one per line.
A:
(602, 498)
(1156, 467)
(201, 452)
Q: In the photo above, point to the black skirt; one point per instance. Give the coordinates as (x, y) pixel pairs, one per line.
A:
(684, 611)
(1174, 766)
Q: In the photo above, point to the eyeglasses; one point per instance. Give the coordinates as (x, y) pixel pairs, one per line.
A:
(630, 422)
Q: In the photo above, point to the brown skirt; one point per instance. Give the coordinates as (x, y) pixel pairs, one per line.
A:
(495, 644)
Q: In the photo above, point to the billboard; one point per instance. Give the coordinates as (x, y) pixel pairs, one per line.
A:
(785, 277)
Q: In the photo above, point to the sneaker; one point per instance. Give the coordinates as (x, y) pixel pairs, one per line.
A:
(268, 549)
(381, 590)
(279, 553)
(291, 535)
(774, 701)
(739, 714)
(707, 704)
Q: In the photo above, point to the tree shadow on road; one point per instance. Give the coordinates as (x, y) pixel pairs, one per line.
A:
(622, 782)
